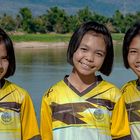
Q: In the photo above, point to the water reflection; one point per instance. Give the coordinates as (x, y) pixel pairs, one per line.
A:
(41, 56)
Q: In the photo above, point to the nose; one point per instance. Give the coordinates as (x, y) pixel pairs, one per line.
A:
(138, 58)
(90, 57)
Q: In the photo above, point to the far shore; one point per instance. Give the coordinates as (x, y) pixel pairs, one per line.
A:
(45, 45)
(39, 45)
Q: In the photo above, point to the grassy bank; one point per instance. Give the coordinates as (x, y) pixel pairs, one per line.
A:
(52, 37)
(41, 37)
(117, 36)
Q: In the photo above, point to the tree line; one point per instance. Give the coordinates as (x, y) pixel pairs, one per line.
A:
(58, 20)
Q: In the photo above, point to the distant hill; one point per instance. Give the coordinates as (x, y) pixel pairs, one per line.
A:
(38, 7)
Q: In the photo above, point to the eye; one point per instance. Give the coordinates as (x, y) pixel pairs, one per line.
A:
(132, 51)
(4, 58)
(83, 48)
(100, 54)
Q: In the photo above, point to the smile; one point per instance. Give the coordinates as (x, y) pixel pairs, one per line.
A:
(137, 67)
(84, 65)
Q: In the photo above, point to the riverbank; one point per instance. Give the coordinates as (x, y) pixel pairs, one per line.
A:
(39, 45)
(45, 45)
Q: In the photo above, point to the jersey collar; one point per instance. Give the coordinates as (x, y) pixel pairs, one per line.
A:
(99, 79)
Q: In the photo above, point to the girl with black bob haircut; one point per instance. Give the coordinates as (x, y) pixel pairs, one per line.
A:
(98, 28)
(83, 105)
(130, 34)
(131, 89)
(17, 115)
(4, 38)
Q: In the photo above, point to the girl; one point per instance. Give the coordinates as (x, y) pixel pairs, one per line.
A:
(131, 90)
(17, 116)
(82, 105)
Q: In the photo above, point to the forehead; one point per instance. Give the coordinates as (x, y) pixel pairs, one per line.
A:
(135, 43)
(2, 49)
(93, 37)
(94, 34)
(94, 41)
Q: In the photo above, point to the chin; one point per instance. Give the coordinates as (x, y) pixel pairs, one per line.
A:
(86, 74)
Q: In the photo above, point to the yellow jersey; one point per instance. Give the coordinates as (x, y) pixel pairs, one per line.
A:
(131, 94)
(97, 113)
(17, 115)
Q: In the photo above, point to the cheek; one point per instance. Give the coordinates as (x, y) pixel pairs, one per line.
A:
(99, 62)
(77, 55)
(5, 65)
(130, 59)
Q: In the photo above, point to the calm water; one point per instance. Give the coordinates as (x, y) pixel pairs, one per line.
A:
(37, 70)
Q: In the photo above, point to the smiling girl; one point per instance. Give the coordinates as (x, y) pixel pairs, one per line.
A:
(83, 105)
(131, 90)
(17, 115)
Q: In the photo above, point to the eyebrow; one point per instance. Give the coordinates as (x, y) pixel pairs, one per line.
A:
(83, 45)
(133, 48)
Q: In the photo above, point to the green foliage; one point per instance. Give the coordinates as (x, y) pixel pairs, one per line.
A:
(27, 21)
(57, 20)
(7, 23)
(84, 15)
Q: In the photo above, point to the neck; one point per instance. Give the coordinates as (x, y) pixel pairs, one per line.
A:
(81, 82)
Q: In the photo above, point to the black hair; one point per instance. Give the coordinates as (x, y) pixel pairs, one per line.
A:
(99, 29)
(5, 39)
(130, 34)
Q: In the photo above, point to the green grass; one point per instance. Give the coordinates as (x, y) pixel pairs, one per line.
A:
(53, 37)
(41, 37)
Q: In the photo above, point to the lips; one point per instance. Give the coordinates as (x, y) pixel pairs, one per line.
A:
(138, 68)
(86, 66)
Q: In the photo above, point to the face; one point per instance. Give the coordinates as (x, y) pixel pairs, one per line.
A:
(90, 55)
(3, 61)
(134, 55)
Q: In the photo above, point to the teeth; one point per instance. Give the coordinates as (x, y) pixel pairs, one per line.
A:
(138, 67)
(85, 65)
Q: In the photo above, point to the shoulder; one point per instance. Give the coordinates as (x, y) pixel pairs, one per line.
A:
(109, 85)
(106, 85)
(110, 91)
(15, 88)
(57, 87)
(128, 85)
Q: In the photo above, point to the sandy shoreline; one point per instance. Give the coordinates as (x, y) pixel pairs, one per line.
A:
(39, 45)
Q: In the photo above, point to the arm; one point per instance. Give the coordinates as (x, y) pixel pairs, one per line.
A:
(120, 126)
(46, 120)
(29, 124)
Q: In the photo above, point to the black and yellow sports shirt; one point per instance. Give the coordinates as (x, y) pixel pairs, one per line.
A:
(98, 113)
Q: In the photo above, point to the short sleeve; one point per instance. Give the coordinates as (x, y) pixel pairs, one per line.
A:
(46, 119)
(28, 120)
(120, 125)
